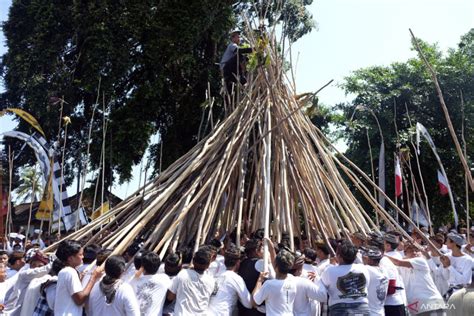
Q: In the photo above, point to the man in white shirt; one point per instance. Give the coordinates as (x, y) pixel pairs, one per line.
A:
(217, 266)
(192, 288)
(36, 239)
(39, 266)
(378, 286)
(457, 268)
(309, 265)
(396, 298)
(16, 262)
(422, 294)
(231, 287)
(308, 294)
(150, 288)
(6, 289)
(279, 293)
(322, 252)
(435, 265)
(391, 242)
(347, 283)
(112, 296)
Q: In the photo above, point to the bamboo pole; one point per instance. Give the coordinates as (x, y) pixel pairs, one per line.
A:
(467, 170)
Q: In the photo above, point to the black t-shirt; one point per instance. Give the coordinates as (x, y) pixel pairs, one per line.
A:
(250, 275)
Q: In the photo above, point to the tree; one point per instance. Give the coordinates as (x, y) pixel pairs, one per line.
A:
(31, 186)
(390, 91)
(153, 60)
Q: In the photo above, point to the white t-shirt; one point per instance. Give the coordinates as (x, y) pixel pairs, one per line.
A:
(322, 266)
(150, 291)
(50, 292)
(193, 292)
(25, 276)
(32, 293)
(11, 273)
(397, 298)
(439, 279)
(216, 268)
(422, 294)
(278, 295)
(6, 289)
(306, 293)
(124, 303)
(347, 283)
(307, 268)
(231, 287)
(129, 273)
(378, 287)
(68, 284)
(395, 254)
(460, 270)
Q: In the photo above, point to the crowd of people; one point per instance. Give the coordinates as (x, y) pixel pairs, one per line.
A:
(362, 274)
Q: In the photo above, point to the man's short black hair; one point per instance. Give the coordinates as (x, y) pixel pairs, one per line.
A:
(323, 247)
(151, 262)
(216, 243)
(201, 260)
(3, 252)
(137, 260)
(347, 251)
(232, 257)
(90, 253)
(310, 254)
(16, 255)
(115, 266)
(172, 264)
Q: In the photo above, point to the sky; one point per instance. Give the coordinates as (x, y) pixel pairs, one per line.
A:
(351, 34)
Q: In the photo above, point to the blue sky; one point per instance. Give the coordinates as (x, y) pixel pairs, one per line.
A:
(352, 34)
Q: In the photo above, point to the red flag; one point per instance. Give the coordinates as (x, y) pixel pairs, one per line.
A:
(443, 184)
(398, 179)
(3, 203)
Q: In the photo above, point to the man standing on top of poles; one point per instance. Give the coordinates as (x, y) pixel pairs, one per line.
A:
(232, 64)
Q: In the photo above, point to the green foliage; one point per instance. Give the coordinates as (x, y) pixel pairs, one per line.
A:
(153, 59)
(408, 86)
(31, 186)
(292, 15)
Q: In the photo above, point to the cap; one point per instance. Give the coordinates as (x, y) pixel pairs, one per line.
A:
(38, 256)
(359, 236)
(20, 236)
(372, 252)
(391, 238)
(234, 31)
(30, 253)
(38, 231)
(13, 235)
(457, 239)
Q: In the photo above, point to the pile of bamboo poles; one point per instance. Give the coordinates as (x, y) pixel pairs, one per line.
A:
(264, 166)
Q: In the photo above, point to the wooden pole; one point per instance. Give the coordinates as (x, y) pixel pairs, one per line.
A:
(32, 196)
(373, 173)
(267, 186)
(467, 170)
(8, 226)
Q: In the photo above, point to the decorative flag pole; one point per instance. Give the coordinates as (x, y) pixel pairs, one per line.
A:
(267, 187)
(421, 130)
